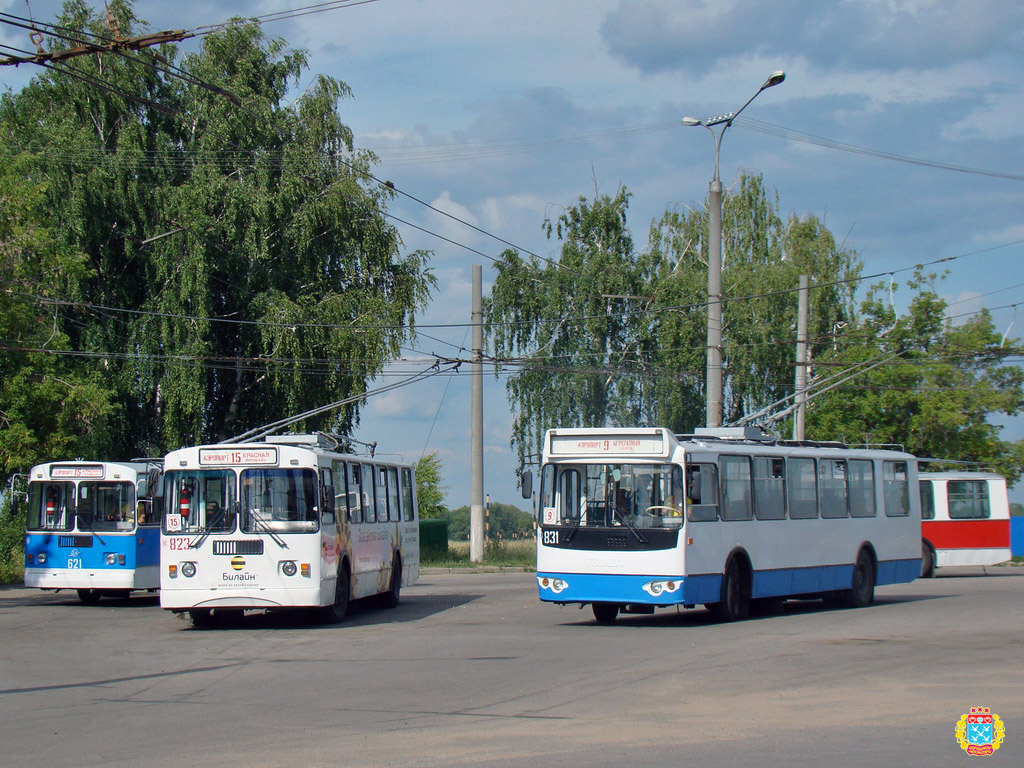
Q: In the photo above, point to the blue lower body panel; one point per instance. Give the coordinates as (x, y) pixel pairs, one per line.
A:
(707, 588)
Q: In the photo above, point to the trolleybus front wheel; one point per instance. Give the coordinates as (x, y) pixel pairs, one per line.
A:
(605, 613)
(89, 596)
(202, 619)
(735, 602)
(332, 614)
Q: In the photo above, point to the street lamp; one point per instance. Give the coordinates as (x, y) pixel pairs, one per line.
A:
(714, 367)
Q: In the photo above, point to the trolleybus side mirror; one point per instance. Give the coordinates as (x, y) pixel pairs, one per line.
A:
(527, 483)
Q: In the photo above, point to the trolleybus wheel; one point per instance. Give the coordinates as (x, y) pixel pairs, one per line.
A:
(202, 619)
(390, 598)
(735, 602)
(862, 592)
(605, 613)
(927, 561)
(89, 596)
(332, 614)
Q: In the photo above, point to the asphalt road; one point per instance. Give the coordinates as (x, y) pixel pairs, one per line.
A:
(472, 670)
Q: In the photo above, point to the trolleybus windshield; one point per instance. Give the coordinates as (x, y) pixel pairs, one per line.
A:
(609, 495)
(106, 506)
(279, 500)
(200, 501)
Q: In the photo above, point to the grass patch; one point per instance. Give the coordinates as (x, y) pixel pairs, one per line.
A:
(501, 553)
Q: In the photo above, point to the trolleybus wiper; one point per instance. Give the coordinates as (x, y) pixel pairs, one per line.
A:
(207, 529)
(632, 529)
(88, 527)
(577, 521)
(258, 522)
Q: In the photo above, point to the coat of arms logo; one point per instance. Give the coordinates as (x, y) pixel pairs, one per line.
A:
(980, 732)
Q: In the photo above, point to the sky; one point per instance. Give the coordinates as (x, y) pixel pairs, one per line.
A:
(504, 113)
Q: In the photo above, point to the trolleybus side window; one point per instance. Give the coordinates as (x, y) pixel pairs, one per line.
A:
(895, 488)
(357, 508)
(339, 477)
(326, 496)
(407, 509)
(927, 500)
(702, 492)
(832, 487)
(803, 489)
(394, 511)
(968, 500)
(50, 506)
(862, 488)
(769, 488)
(736, 488)
(381, 493)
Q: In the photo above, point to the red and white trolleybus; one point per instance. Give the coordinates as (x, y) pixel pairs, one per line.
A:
(965, 519)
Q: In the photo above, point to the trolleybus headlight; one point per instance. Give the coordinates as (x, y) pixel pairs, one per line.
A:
(111, 558)
(555, 585)
(188, 570)
(288, 568)
(41, 557)
(656, 588)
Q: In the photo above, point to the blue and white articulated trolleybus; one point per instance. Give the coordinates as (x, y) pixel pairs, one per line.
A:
(285, 523)
(634, 519)
(93, 526)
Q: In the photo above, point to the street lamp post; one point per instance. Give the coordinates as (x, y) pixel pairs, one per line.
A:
(714, 365)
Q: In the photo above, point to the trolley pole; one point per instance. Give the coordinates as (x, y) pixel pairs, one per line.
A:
(476, 467)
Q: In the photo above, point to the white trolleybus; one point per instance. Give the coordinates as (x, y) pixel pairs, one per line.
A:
(965, 519)
(93, 526)
(285, 523)
(634, 519)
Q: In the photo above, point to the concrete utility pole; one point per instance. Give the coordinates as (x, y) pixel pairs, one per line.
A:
(714, 364)
(476, 466)
(801, 359)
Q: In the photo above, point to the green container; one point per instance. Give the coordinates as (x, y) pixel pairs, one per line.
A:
(433, 539)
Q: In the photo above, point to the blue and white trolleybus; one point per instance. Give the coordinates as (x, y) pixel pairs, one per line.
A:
(93, 526)
(634, 519)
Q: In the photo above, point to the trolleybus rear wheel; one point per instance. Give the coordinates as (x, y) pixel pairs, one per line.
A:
(391, 598)
(927, 561)
(862, 591)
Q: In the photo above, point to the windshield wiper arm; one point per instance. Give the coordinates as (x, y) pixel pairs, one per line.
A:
(207, 529)
(632, 528)
(88, 527)
(258, 522)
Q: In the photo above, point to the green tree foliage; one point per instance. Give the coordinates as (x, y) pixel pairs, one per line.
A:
(50, 405)
(506, 522)
(235, 221)
(429, 490)
(610, 337)
(937, 396)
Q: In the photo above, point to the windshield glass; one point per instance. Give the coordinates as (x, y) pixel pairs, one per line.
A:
(609, 495)
(50, 506)
(279, 500)
(106, 506)
(199, 500)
